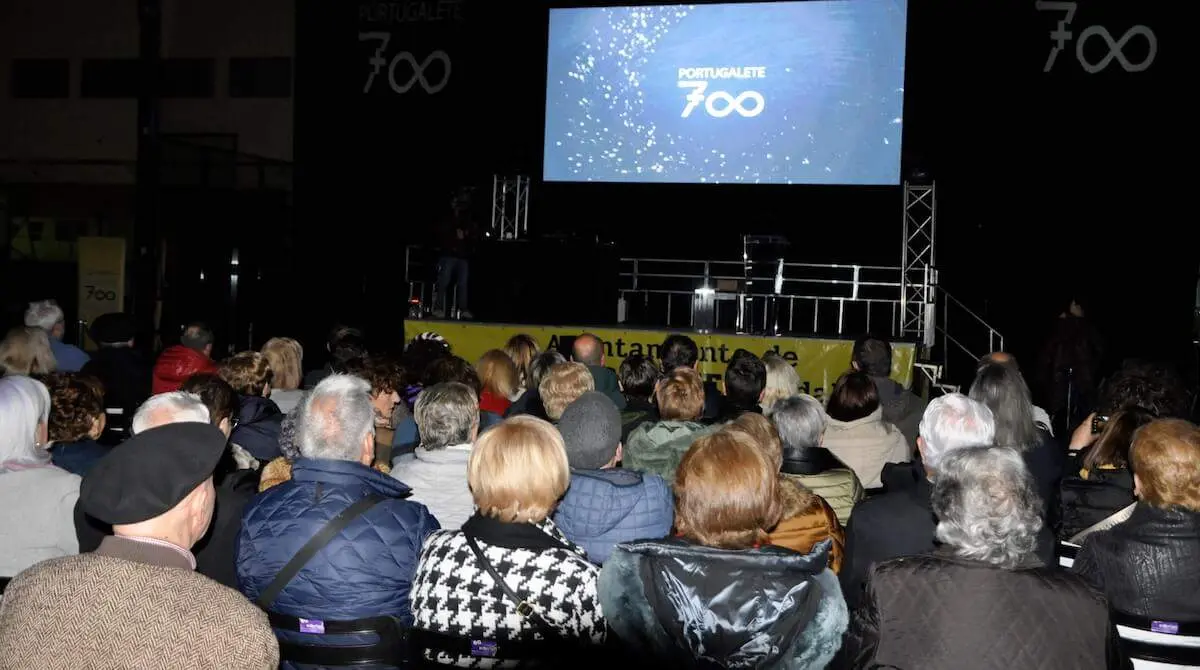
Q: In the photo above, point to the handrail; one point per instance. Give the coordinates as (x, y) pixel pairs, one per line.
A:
(739, 262)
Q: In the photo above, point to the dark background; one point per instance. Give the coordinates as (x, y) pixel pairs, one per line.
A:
(1048, 183)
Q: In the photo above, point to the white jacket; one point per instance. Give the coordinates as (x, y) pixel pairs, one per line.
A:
(438, 479)
(866, 445)
(37, 516)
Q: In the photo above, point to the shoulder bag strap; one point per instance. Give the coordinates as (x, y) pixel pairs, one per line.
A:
(1120, 516)
(329, 531)
(523, 607)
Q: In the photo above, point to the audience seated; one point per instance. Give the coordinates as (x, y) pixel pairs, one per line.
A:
(745, 383)
(638, 376)
(366, 569)
(522, 349)
(1002, 388)
(562, 385)
(255, 433)
(805, 519)
(983, 599)
(344, 344)
(800, 421)
(681, 351)
(422, 351)
(135, 602)
(448, 417)
(1098, 482)
(285, 357)
(1149, 565)
(36, 497)
(122, 370)
(47, 315)
(517, 473)
(76, 421)
(718, 594)
(658, 447)
(856, 432)
(530, 401)
(26, 351)
(442, 370)
(901, 407)
(499, 380)
(386, 376)
(1040, 416)
(782, 381)
(900, 522)
(589, 350)
(177, 363)
(606, 504)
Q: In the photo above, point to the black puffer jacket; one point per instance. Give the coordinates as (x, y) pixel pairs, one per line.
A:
(683, 605)
(1084, 502)
(937, 611)
(1148, 566)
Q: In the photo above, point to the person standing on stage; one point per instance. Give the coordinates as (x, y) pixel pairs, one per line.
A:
(455, 235)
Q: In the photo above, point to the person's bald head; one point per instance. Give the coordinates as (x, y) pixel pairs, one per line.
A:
(588, 349)
(1000, 358)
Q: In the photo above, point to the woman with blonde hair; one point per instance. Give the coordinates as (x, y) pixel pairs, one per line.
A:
(37, 499)
(509, 573)
(499, 378)
(722, 568)
(26, 351)
(285, 357)
(782, 381)
(522, 349)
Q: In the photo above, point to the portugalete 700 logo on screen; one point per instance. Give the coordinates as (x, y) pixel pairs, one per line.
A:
(721, 103)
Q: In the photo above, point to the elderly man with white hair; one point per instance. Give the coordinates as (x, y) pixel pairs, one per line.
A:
(216, 549)
(47, 315)
(900, 522)
(369, 536)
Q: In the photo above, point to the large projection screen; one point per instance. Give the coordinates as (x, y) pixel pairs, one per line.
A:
(773, 92)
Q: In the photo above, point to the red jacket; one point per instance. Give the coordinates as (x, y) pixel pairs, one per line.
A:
(175, 365)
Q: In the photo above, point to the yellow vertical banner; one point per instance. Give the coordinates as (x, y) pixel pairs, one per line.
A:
(818, 361)
(101, 277)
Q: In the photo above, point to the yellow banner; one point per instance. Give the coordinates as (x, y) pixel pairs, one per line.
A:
(819, 362)
(101, 278)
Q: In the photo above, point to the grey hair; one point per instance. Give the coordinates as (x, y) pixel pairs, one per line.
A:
(335, 418)
(952, 422)
(986, 506)
(289, 446)
(44, 314)
(1003, 390)
(446, 414)
(166, 408)
(24, 404)
(800, 421)
(541, 365)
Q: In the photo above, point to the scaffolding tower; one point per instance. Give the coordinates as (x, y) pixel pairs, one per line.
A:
(510, 207)
(918, 277)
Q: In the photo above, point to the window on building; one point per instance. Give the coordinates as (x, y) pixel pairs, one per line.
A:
(189, 77)
(109, 78)
(121, 78)
(40, 78)
(260, 77)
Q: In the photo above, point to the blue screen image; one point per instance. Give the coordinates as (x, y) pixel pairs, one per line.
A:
(774, 93)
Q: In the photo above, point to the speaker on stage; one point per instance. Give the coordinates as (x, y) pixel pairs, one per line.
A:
(762, 260)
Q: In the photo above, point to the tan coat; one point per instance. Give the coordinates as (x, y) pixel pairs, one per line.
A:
(866, 445)
(104, 612)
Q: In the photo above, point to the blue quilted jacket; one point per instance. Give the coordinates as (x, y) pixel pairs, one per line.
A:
(367, 570)
(604, 508)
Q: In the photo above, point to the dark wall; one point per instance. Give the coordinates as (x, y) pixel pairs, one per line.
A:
(1048, 182)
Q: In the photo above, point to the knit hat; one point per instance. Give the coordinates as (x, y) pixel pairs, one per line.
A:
(591, 430)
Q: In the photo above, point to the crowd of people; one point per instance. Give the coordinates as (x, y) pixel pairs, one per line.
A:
(541, 507)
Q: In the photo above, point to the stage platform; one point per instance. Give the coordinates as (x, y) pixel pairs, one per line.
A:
(818, 361)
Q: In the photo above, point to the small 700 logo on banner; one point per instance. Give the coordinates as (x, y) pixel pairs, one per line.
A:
(377, 61)
(1061, 35)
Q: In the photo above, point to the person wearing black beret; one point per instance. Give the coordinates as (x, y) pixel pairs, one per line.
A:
(136, 601)
(122, 370)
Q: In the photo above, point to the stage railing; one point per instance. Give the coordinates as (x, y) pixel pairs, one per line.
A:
(809, 297)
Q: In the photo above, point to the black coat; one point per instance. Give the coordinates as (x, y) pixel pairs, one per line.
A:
(938, 611)
(1086, 502)
(125, 375)
(1149, 565)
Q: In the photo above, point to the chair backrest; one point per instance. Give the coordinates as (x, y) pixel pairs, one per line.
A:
(387, 648)
(1066, 554)
(1155, 644)
(425, 646)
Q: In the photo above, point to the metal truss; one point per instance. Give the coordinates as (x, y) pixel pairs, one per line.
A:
(510, 207)
(918, 263)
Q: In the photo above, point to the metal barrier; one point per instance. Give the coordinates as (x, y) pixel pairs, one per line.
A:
(807, 297)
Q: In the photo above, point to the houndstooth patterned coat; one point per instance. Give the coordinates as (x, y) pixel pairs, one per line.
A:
(453, 594)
